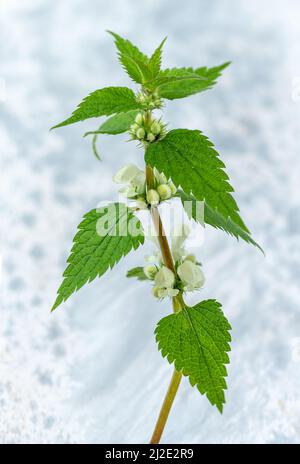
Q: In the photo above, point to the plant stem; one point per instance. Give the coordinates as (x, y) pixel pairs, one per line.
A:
(166, 406)
(177, 306)
(162, 239)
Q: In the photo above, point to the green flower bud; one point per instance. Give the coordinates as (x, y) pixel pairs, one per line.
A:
(141, 97)
(139, 119)
(160, 177)
(155, 128)
(150, 137)
(134, 127)
(164, 191)
(150, 270)
(152, 197)
(172, 187)
(140, 133)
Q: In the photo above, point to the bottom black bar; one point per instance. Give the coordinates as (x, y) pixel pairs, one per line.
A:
(154, 453)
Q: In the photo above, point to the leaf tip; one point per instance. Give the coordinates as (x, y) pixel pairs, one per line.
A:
(56, 303)
(112, 34)
(163, 41)
(220, 407)
(57, 126)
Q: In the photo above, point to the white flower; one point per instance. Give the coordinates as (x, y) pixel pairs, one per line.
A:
(164, 292)
(188, 271)
(171, 292)
(139, 182)
(191, 275)
(164, 278)
(150, 271)
(127, 191)
(126, 174)
(135, 179)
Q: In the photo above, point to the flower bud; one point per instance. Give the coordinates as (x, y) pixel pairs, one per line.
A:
(155, 127)
(150, 271)
(139, 118)
(172, 187)
(150, 137)
(140, 133)
(134, 128)
(152, 197)
(160, 177)
(141, 97)
(164, 191)
(126, 174)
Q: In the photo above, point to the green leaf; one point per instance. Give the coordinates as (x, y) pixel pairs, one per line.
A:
(133, 60)
(201, 170)
(182, 82)
(116, 124)
(197, 340)
(137, 272)
(103, 102)
(155, 60)
(104, 236)
(214, 218)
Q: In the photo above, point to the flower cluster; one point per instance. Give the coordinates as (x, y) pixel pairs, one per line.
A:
(163, 189)
(135, 186)
(189, 275)
(149, 101)
(147, 129)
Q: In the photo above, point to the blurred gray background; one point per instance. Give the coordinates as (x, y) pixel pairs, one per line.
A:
(91, 372)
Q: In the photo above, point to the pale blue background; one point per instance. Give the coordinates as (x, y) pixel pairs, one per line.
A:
(90, 372)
